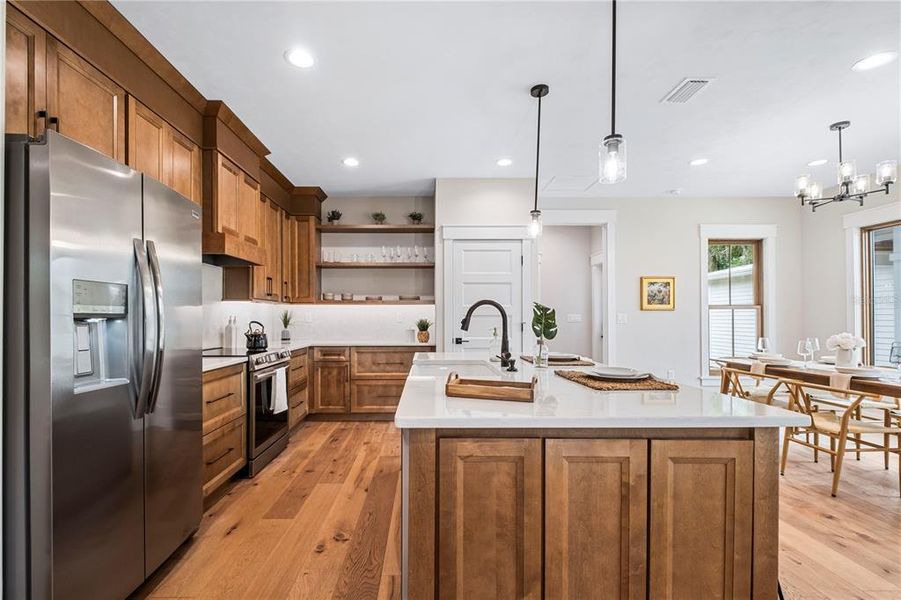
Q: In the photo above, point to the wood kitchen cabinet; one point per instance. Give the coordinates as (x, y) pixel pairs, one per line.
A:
(231, 210)
(489, 518)
(701, 516)
(595, 497)
(331, 387)
(224, 426)
(267, 278)
(26, 74)
(300, 252)
(289, 257)
(298, 388)
(83, 103)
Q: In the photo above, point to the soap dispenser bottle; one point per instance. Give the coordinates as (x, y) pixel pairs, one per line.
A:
(230, 337)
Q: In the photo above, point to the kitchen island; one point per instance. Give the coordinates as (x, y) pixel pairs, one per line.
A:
(585, 494)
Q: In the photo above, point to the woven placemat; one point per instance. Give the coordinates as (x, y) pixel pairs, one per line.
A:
(561, 363)
(609, 385)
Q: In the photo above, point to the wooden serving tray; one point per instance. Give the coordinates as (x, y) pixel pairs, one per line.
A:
(488, 389)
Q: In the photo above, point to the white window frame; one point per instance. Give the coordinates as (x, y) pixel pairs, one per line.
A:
(853, 224)
(766, 233)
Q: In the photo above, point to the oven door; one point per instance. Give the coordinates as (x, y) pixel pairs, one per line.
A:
(268, 421)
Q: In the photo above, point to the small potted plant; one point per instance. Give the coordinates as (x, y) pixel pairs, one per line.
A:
(415, 217)
(286, 324)
(422, 335)
(334, 215)
(544, 326)
(379, 218)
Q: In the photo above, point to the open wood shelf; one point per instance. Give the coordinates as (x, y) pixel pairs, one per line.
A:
(373, 265)
(376, 228)
(388, 302)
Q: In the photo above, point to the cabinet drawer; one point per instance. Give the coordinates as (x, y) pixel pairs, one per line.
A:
(381, 362)
(375, 396)
(223, 397)
(224, 453)
(298, 405)
(297, 371)
(332, 354)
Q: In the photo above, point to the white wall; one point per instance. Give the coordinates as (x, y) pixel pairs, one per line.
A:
(564, 273)
(824, 279)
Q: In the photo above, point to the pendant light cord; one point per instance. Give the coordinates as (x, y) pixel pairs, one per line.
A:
(537, 152)
(613, 75)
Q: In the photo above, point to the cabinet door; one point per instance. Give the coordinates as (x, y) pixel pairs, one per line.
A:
(249, 209)
(701, 519)
(226, 206)
(87, 105)
(289, 257)
(274, 247)
(261, 285)
(185, 171)
(306, 257)
(331, 388)
(595, 529)
(148, 141)
(376, 395)
(26, 79)
(298, 407)
(489, 518)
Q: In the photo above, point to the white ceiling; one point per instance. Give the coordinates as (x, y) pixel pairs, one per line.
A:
(419, 90)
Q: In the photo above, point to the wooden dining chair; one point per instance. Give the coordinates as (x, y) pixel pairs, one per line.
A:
(765, 388)
(836, 416)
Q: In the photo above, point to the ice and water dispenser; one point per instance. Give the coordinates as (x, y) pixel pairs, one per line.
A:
(100, 315)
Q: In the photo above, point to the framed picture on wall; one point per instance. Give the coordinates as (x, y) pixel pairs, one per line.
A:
(658, 293)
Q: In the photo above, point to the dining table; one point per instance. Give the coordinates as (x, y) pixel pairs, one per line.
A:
(817, 373)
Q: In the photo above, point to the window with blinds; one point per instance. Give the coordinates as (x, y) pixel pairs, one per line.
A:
(734, 301)
(882, 286)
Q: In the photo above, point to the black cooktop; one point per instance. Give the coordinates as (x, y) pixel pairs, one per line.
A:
(211, 352)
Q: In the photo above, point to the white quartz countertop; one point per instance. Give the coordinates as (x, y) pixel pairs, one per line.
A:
(561, 403)
(216, 362)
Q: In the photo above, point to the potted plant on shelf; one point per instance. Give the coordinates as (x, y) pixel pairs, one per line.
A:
(544, 326)
(422, 335)
(286, 324)
(415, 217)
(847, 349)
(333, 216)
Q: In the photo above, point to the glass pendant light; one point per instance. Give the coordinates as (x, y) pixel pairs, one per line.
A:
(612, 151)
(538, 91)
(886, 172)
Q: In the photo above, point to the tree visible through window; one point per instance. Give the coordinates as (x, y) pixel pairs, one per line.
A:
(734, 305)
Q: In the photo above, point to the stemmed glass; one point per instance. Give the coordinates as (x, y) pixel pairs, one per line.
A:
(763, 345)
(384, 254)
(814, 347)
(805, 349)
(416, 252)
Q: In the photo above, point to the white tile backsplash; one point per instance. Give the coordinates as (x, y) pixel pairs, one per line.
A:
(313, 322)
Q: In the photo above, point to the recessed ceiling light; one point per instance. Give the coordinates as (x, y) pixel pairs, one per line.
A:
(299, 58)
(698, 162)
(504, 162)
(350, 161)
(674, 191)
(876, 60)
(817, 163)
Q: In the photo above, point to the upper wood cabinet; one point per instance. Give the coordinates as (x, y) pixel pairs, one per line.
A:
(289, 257)
(595, 526)
(185, 172)
(83, 103)
(303, 239)
(231, 209)
(26, 79)
(489, 518)
(702, 502)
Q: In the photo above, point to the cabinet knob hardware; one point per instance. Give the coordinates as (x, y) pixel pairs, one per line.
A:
(55, 121)
(218, 458)
(228, 395)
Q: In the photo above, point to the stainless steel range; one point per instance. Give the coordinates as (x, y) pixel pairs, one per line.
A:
(267, 403)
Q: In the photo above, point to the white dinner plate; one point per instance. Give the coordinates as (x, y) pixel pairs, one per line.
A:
(827, 360)
(776, 362)
(562, 356)
(862, 372)
(620, 373)
(764, 355)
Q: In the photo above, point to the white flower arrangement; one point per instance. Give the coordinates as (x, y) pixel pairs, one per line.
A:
(845, 341)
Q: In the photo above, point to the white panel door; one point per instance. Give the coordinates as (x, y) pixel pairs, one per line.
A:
(486, 269)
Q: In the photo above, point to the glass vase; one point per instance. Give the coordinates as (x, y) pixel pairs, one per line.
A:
(541, 354)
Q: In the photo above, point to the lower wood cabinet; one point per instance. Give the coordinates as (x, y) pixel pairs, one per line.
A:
(375, 395)
(331, 387)
(224, 454)
(624, 519)
(489, 518)
(224, 425)
(702, 503)
(298, 404)
(596, 497)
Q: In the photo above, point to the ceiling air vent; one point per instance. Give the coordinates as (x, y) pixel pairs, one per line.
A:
(686, 90)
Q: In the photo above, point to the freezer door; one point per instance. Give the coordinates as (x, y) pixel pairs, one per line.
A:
(92, 207)
(173, 425)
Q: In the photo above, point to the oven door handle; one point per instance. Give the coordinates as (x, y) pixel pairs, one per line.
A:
(268, 373)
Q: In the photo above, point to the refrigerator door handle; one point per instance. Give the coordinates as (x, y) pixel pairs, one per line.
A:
(147, 361)
(160, 325)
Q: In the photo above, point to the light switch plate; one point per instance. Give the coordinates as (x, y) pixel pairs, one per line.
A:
(622, 318)
(574, 318)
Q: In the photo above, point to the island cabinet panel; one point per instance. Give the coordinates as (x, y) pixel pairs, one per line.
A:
(701, 518)
(85, 104)
(596, 519)
(331, 387)
(489, 518)
(26, 79)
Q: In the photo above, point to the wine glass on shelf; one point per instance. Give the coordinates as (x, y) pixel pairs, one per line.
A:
(416, 252)
(384, 254)
(763, 345)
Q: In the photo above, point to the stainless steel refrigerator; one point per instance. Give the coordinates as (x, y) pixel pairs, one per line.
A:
(102, 372)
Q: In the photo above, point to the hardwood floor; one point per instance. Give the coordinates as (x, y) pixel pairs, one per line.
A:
(322, 521)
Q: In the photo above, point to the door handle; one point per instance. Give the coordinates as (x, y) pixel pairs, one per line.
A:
(460, 340)
(160, 324)
(210, 463)
(148, 330)
(214, 400)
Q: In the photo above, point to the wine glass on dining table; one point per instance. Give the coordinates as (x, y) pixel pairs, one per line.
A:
(763, 345)
(805, 349)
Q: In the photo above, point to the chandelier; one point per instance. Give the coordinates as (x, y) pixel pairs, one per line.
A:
(851, 185)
